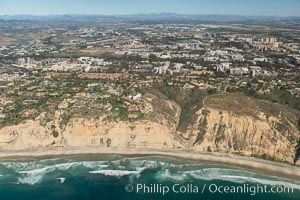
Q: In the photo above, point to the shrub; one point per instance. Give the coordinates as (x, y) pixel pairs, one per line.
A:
(55, 134)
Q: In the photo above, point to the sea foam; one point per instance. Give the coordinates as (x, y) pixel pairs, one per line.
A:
(117, 173)
(35, 172)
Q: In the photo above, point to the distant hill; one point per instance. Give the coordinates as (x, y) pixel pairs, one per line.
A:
(151, 16)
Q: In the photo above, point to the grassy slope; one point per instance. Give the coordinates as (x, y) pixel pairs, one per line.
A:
(190, 101)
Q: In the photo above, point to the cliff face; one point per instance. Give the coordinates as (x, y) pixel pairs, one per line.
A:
(230, 123)
(140, 134)
(29, 134)
(92, 133)
(226, 123)
(222, 131)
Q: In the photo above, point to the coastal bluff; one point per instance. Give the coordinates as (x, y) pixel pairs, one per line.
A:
(226, 123)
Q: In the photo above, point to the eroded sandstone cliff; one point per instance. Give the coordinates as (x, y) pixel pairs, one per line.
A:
(241, 125)
(226, 123)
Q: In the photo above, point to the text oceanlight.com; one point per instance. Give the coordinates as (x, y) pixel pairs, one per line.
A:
(211, 188)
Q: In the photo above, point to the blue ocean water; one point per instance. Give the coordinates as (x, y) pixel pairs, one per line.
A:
(108, 177)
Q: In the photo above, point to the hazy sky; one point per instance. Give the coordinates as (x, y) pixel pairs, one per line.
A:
(119, 7)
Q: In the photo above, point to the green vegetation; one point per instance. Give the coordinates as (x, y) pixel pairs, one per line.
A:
(55, 133)
(202, 129)
(190, 101)
(65, 118)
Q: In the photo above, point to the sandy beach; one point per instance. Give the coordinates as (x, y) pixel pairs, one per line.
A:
(258, 165)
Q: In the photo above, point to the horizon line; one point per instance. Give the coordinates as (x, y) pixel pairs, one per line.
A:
(150, 13)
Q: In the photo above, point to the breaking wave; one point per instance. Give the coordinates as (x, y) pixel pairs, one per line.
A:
(231, 175)
(159, 169)
(117, 173)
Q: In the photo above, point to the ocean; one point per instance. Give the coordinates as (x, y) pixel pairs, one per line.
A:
(89, 177)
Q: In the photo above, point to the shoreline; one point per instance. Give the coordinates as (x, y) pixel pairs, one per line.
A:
(248, 163)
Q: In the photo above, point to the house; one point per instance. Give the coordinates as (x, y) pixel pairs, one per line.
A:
(198, 68)
(238, 57)
(30, 102)
(29, 112)
(261, 59)
(211, 58)
(50, 102)
(188, 86)
(135, 97)
(63, 105)
(93, 85)
(236, 71)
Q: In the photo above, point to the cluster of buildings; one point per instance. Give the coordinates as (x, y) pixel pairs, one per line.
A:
(138, 55)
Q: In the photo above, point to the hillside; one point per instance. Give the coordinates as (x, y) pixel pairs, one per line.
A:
(242, 125)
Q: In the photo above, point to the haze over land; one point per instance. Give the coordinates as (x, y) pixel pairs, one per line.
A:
(152, 16)
(127, 7)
